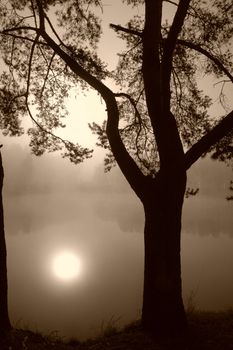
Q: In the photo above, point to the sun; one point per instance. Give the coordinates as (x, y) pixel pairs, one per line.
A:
(66, 266)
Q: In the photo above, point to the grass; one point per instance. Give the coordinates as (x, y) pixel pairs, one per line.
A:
(207, 331)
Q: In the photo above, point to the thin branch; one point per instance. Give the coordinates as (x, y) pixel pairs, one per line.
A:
(141, 127)
(195, 13)
(118, 28)
(223, 81)
(24, 38)
(53, 30)
(206, 53)
(30, 65)
(178, 95)
(222, 97)
(12, 53)
(137, 114)
(24, 17)
(124, 54)
(65, 142)
(58, 37)
(122, 94)
(171, 2)
(28, 85)
(47, 74)
(34, 14)
(6, 31)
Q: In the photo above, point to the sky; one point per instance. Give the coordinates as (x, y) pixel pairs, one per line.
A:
(52, 207)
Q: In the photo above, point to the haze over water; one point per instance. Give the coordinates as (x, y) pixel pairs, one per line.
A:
(52, 206)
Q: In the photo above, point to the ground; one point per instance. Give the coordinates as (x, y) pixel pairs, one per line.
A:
(207, 331)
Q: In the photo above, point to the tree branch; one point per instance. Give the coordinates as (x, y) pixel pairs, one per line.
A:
(34, 13)
(129, 168)
(41, 15)
(210, 139)
(151, 58)
(30, 64)
(127, 165)
(23, 38)
(47, 73)
(157, 96)
(118, 28)
(53, 30)
(139, 123)
(6, 31)
(206, 53)
(133, 103)
(171, 2)
(170, 43)
(66, 143)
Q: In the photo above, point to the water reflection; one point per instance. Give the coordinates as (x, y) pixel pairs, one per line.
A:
(111, 280)
(207, 264)
(49, 209)
(208, 216)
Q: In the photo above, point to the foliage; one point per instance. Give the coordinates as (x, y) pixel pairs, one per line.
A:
(39, 37)
(35, 81)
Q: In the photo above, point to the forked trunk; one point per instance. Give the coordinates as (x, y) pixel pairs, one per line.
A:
(163, 311)
(4, 318)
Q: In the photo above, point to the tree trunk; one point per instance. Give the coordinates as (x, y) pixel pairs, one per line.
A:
(4, 317)
(163, 311)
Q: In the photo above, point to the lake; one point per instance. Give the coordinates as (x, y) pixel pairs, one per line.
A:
(99, 219)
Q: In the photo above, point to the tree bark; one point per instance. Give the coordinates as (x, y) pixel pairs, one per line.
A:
(4, 317)
(163, 311)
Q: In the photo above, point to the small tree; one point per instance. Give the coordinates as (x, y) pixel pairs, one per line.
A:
(157, 124)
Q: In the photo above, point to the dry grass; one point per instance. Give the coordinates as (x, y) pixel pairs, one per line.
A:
(207, 331)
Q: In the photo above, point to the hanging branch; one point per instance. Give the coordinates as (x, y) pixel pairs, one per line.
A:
(206, 53)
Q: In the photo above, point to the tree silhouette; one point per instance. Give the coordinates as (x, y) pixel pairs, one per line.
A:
(4, 317)
(157, 124)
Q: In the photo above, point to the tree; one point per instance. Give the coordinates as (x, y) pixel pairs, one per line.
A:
(4, 317)
(157, 124)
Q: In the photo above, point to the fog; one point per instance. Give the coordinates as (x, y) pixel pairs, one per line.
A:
(53, 206)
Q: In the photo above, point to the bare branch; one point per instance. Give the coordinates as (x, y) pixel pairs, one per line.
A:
(24, 38)
(222, 97)
(9, 30)
(171, 2)
(118, 28)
